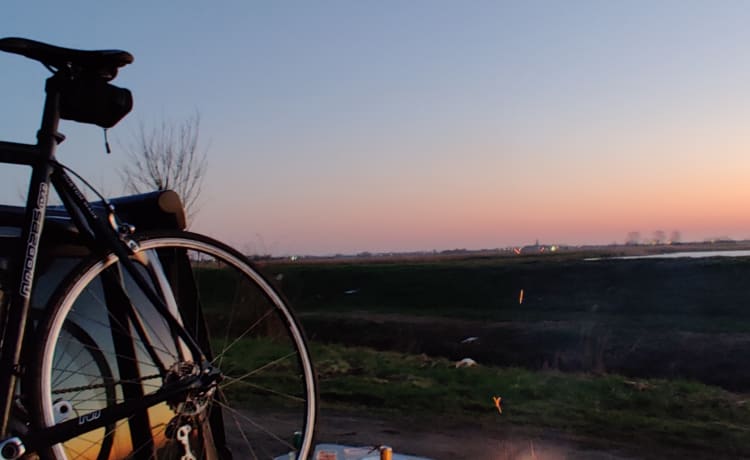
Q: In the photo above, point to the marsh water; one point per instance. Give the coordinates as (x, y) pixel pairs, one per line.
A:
(684, 254)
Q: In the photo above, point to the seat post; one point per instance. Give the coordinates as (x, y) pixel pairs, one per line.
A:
(26, 257)
(47, 136)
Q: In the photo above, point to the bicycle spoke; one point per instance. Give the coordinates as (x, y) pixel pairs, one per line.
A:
(260, 369)
(244, 437)
(102, 302)
(266, 390)
(241, 336)
(237, 413)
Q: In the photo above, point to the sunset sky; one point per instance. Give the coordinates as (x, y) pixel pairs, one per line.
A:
(349, 126)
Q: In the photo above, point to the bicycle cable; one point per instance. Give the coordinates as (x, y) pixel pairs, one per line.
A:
(86, 183)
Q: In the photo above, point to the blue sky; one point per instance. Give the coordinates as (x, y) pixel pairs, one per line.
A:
(389, 126)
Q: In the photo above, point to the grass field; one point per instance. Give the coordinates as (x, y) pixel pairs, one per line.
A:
(652, 351)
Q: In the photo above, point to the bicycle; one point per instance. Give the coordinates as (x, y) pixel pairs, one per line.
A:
(158, 344)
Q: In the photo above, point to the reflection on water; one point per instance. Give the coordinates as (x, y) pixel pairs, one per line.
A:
(677, 255)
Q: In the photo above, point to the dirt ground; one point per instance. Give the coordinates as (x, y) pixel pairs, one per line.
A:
(444, 438)
(447, 440)
(439, 439)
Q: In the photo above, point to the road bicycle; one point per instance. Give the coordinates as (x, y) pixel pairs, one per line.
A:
(154, 345)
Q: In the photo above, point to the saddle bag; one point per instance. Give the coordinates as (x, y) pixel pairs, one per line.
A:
(94, 101)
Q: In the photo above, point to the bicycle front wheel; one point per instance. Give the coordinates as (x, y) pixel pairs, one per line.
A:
(264, 405)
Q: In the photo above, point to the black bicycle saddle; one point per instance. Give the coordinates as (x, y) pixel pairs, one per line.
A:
(103, 63)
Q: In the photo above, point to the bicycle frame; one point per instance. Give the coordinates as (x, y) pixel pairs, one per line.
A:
(101, 235)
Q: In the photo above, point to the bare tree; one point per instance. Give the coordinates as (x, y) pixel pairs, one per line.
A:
(167, 157)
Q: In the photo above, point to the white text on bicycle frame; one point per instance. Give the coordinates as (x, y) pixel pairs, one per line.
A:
(89, 417)
(33, 243)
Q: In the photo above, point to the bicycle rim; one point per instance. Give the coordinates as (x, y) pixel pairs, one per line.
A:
(265, 405)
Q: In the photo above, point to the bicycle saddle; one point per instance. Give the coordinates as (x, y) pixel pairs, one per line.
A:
(103, 63)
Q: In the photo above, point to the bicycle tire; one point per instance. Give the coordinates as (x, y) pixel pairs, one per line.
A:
(266, 404)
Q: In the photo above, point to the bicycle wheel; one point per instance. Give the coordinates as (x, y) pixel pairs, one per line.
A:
(263, 407)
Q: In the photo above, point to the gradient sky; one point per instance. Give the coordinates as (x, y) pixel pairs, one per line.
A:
(348, 126)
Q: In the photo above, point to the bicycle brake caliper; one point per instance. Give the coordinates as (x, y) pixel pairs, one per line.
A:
(123, 229)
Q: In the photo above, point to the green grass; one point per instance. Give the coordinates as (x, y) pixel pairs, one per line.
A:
(665, 413)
